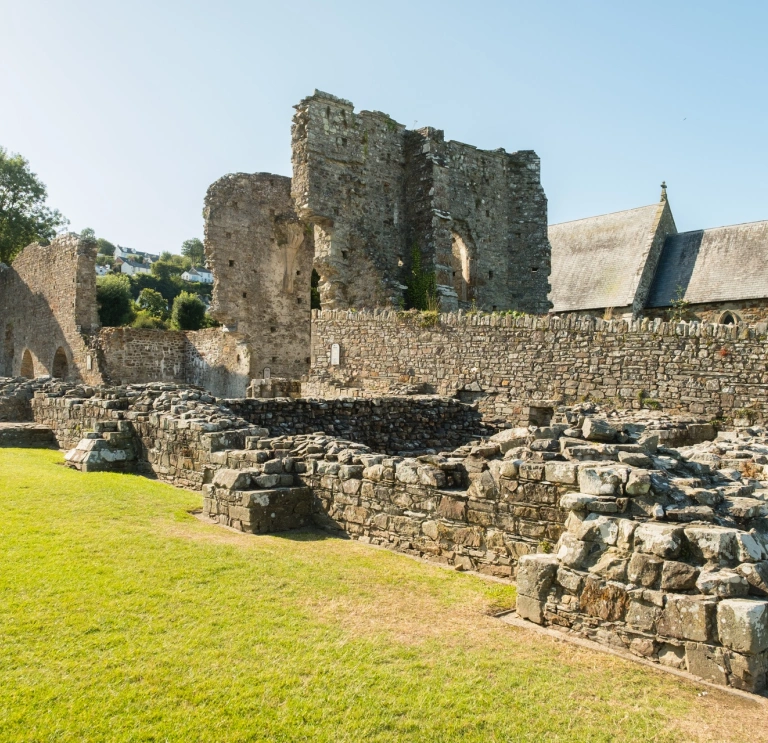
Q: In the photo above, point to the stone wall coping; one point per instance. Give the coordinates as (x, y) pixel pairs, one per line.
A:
(461, 318)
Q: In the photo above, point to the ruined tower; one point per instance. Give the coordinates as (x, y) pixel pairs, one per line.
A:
(375, 192)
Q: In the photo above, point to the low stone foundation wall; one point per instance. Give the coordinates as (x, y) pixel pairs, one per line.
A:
(387, 424)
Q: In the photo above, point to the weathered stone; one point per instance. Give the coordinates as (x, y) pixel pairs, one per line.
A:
(569, 579)
(530, 608)
(687, 618)
(536, 574)
(723, 583)
(454, 509)
(232, 479)
(510, 438)
(638, 483)
(611, 566)
(706, 662)
(571, 551)
(678, 576)
(644, 570)
(607, 601)
(595, 429)
(756, 575)
(642, 615)
(561, 472)
(747, 672)
(577, 501)
(605, 480)
(662, 540)
(742, 625)
(596, 528)
(712, 544)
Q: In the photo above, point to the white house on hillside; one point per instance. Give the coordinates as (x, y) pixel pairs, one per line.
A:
(131, 268)
(199, 275)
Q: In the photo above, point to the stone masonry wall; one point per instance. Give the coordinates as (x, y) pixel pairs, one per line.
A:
(376, 192)
(261, 257)
(386, 424)
(505, 362)
(47, 308)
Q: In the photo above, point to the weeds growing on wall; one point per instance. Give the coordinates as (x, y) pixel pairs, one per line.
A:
(421, 291)
(679, 309)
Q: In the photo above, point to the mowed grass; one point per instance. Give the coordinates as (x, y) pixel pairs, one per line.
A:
(125, 618)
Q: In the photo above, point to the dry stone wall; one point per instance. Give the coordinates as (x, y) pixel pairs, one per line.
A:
(507, 362)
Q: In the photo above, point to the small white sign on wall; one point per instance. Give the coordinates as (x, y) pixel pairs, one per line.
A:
(335, 354)
(89, 362)
(267, 372)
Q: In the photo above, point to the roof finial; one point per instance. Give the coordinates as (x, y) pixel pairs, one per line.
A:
(663, 190)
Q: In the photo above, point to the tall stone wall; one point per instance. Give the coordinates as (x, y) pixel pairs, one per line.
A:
(261, 257)
(505, 362)
(47, 308)
(376, 192)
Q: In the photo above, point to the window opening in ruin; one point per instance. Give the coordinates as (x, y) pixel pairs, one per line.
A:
(274, 358)
(298, 300)
(490, 274)
(327, 112)
(728, 318)
(231, 263)
(272, 329)
(60, 367)
(245, 295)
(298, 273)
(534, 269)
(314, 292)
(462, 267)
(344, 254)
(27, 365)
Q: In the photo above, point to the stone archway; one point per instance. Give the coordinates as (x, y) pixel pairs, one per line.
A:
(729, 318)
(27, 365)
(60, 367)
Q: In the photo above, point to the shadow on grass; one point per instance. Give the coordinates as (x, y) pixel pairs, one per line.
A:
(309, 534)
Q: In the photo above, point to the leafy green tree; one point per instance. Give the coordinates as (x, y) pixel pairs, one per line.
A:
(113, 294)
(188, 312)
(145, 319)
(194, 250)
(105, 260)
(153, 302)
(88, 234)
(24, 218)
(105, 247)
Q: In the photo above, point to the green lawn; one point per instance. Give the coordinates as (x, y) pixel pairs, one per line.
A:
(124, 618)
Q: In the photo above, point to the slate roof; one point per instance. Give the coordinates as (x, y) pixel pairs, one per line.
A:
(597, 262)
(716, 265)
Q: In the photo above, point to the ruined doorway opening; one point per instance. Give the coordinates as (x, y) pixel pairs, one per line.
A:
(461, 266)
(27, 365)
(60, 368)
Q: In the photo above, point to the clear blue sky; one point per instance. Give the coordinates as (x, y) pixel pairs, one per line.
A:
(129, 110)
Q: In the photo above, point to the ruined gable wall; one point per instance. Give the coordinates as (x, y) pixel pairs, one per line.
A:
(218, 361)
(665, 226)
(348, 180)
(701, 369)
(48, 302)
(261, 258)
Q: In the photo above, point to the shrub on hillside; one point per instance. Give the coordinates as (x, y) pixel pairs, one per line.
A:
(113, 294)
(188, 312)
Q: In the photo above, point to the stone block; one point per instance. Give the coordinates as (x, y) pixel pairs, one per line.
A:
(661, 540)
(530, 608)
(536, 574)
(706, 662)
(746, 672)
(596, 528)
(565, 473)
(644, 570)
(638, 482)
(232, 479)
(723, 583)
(350, 471)
(642, 615)
(712, 544)
(595, 429)
(688, 618)
(607, 601)
(454, 509)
(742, 625)
(611, 566)
(671, 655)
(678, 576)
(602, 480)
(756, 575)
(569, 579)
(571, 551)
(577, 501)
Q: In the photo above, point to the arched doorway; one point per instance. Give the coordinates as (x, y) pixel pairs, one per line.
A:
(60, 368)
(27, 365)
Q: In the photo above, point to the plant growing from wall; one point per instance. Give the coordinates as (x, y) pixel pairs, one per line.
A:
(421, 291)
(679, 307)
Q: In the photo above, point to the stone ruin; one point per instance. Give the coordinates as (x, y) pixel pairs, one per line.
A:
(616, 470)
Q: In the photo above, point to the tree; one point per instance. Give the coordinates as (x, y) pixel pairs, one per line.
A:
(88, 234)
(153, 302)
(188, 312)
(113, 293)
(194, 250)
(24, 218)
(105, 247)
